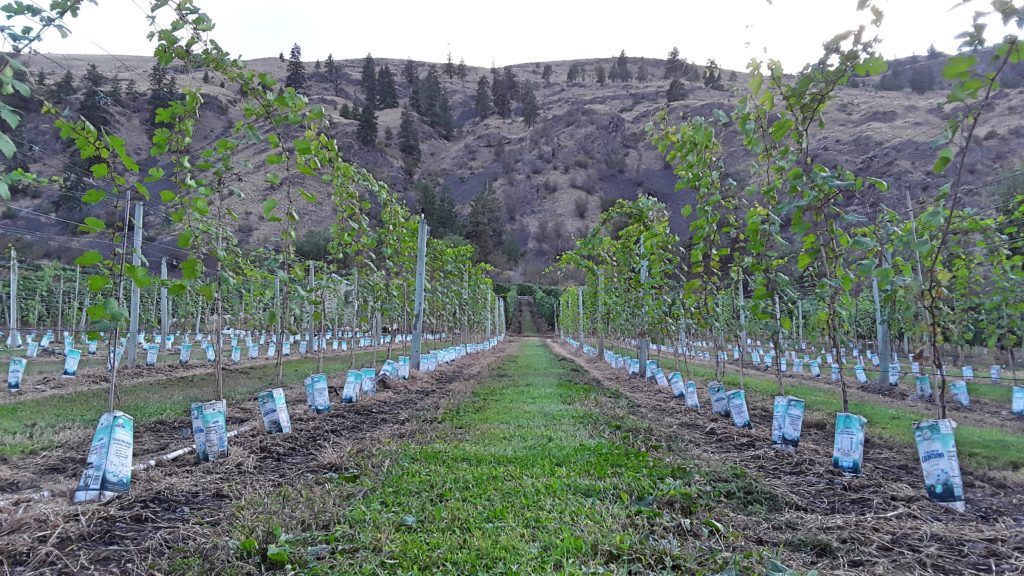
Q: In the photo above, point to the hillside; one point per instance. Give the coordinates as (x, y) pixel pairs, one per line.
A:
(588, 147)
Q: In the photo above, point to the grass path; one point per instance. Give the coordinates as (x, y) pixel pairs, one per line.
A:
(526, 477)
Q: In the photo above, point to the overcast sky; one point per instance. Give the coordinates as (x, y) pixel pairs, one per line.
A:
(484, 32)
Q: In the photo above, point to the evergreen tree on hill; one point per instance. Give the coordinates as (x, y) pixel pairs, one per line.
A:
(484, 227)
(642, 75)
(332, 73)
(409, 72)
(462, 71)
(387, 93)
(368, 82)
(439, 209)
(449, 67)
(409, 142)
(622, 65)
(546, 74)
(511, 83)
(501, 96)
(64, 88)
(366, 131)
(483, 98)
(673, 66)
(531, 110)
(95, 104)
(712, 75)
(296, 77)
(600, 75)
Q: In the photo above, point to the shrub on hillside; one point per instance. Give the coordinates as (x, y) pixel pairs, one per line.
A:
(922, 80)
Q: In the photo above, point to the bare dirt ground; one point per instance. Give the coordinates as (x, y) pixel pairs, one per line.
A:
(184, 505)
(878, 523)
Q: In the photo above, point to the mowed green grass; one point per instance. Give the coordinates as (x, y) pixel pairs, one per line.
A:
(524, 478)
(979, 447)
(35, 424)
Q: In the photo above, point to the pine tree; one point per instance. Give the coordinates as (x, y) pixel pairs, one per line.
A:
(131, 90)
(449, 67)
(641, 72)
(95, 104)
(613, 73)
(712, 75)
(409, 72)
(64, 88)
(41, 79)
(366, 132)
(483, 98)
(531, 110)
(484, 228)
(280, 56)
(158, 95)
(462, 71)
(600, 74)
(546, 74)
(438, 208)
(331, 70)
(316, 69)
(511, 83)
(409, 142)
(206, 76)
(369, 84)
(673, 66)
(115, 93)
(501, 96)
(387, 93)
(296, 77)
(345, 111)
(432, 102)
(443, 118)
(573, 75)
(622, 64)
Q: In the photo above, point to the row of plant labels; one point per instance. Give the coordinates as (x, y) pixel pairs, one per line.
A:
(921, 380)
(108, 470)
(257, 345)
(935, 439)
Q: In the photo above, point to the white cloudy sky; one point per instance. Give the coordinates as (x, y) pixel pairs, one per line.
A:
(518, 31)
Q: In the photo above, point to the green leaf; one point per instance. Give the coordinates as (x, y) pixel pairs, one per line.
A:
(97, 282)
(803, 261)
(100, 170)
(959, 66)
(277, 554)
(273, 178)
(191, 269)
(89, 258)
(92, 224)
(268, 206)
(7, 146)
(945, 157)
(93, 195)
(687, 210)
(9, 115)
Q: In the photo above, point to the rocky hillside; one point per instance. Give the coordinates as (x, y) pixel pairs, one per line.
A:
(587, 148)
